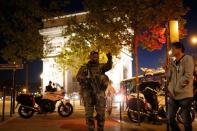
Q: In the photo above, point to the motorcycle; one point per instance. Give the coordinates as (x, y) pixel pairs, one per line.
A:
(193, 107)
(30, 104)
(146, 108)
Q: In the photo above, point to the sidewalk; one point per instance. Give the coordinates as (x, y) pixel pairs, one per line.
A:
(76, 122)
(54, 122)
(7, 116)
(6, 119)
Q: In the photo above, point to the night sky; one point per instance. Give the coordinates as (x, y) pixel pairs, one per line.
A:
(146, 59)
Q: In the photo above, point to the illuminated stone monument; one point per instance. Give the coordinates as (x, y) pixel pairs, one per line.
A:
(52, 34)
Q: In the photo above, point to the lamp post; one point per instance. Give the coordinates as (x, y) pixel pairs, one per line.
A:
(172, 35)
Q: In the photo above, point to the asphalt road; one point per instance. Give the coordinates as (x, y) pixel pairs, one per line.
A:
(76, 122)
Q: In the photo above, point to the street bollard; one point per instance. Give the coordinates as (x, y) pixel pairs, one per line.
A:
(3, 108)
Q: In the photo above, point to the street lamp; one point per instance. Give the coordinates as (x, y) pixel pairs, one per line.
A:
(172, 34)
(174, 31)
(193, 40)
(25, 90)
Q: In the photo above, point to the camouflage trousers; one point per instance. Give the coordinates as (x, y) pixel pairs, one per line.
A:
(97, 102)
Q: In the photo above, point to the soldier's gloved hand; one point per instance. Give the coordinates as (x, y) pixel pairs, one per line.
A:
(109, 56)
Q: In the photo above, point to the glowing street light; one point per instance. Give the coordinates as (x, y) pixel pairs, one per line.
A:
(25, 90)
(173, 28)
(174, 31)
(193, 40)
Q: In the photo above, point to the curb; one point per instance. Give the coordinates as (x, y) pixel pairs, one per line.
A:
(7, 119)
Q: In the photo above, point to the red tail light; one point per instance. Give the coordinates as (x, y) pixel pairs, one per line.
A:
(145, 104)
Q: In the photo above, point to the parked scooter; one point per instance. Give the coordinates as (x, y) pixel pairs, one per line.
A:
(148, 99)
(30, 104)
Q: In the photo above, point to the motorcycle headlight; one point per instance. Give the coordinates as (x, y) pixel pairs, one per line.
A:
(66, 97)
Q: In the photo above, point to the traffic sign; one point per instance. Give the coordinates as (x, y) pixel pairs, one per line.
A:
(11, 66)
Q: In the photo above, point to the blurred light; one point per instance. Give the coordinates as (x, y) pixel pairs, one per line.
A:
(1, 98)
(174, 31)
(68, 49)
(73, 34)
(25, 90)
(118, 98)
(41, 75)
(76, 97)
(194, 40)
(170, 52)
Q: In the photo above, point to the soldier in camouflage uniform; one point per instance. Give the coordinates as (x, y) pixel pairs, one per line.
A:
(92, 91)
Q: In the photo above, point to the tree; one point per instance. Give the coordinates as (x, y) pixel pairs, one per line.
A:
(106, 27)
(144, 17)
(84, 37)
(20, 23)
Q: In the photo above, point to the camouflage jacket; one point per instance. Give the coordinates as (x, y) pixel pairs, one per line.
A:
(89, 73)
